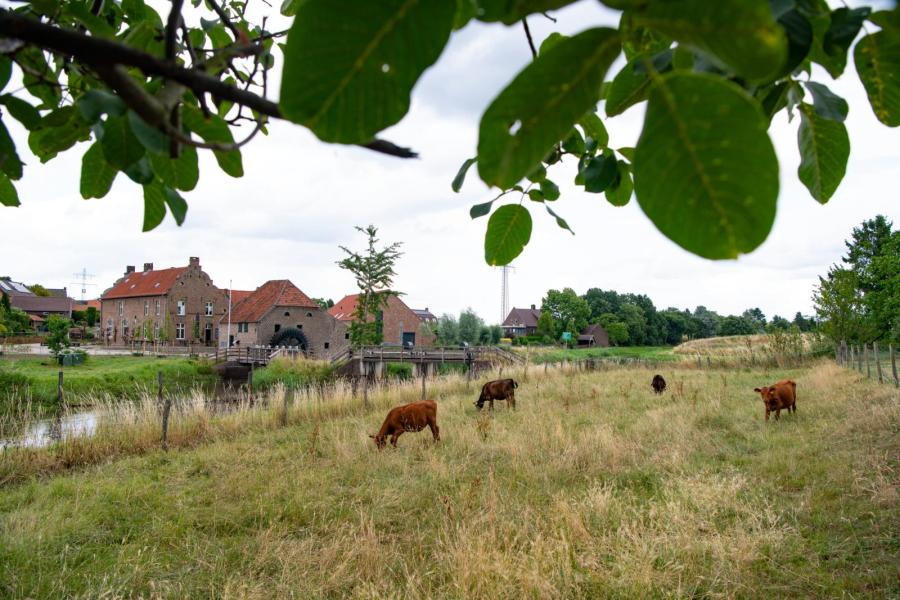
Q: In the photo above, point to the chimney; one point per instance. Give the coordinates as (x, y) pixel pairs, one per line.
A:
(148, 266)
(533, 307)
(129, 269)
(194, 261)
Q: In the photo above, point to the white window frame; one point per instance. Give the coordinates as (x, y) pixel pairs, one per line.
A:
(181, 308)
(157, 307)
(121, 307)
(179, 331)
(209, 309)
(146, 308)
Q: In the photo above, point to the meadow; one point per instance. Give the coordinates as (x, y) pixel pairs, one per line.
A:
(543, 354)
(594, 487)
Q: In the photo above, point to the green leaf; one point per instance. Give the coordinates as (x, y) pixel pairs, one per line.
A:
(508, 232)
(120, 146)
(637, 39)
(22, 111)
(479, 210)
(619, 193)
(347, 83)
(154, 205)
(466, 10)
(536, 195)
(95, 103)
(289, 7)
(799, 34)
(559, 220)
(5, 70)
(627, 152)
(550, 41)
(877, 58)
(845, 25)
(824, 151)
(712, 194)
(81, 12)
(180, 173)
(214, 129)
(97, 175)
(177, 205)
(140, 172)
(59, 130)
(8, 194)
(461, 174)
(550, 190)
(538, 174)
(574, 143)
(10, 163)
(742, 34)
(774, 98)
(594, 128)
(541, 104)
(511, 11)
(827, 104)
(150, 138)
(628, 87)
(887, 19)
(197, 37)
(599, 173)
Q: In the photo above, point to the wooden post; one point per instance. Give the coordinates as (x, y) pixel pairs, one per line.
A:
(423, 367)
(877, 362)
(894, 366)
(699, 362)
(167, 408)
(59, 389)
(868, 364)
(365, 385)
(288, 397)
(852, 355)
(859, 357)
(708, 362)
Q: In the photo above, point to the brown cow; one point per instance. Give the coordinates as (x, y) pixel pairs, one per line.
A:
(499, 389)
(658, 384)
(409, 417)
(779, 395)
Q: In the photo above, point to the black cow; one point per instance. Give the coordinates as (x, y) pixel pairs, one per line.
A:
(499, 389)
(659, 384)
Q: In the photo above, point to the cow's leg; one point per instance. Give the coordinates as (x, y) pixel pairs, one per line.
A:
(492, 405)
(511, 400)
(767, 414)
(394, 437)
(794, 407)
(435, 430)
(777, 414)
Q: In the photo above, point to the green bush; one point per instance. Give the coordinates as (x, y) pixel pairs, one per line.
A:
(12, 383)
(401, 371)
(293, 373)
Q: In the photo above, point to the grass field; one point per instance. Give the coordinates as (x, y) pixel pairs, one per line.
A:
(123, 376)
(542, 355)
(593, 488)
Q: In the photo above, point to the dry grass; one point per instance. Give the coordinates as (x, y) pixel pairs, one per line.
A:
(593, 488)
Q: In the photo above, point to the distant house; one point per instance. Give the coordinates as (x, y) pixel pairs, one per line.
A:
(38, 308)
(179, 304)
(278, 313)
(593, 335)
(521, 321)
(425, 315)
(399, 323)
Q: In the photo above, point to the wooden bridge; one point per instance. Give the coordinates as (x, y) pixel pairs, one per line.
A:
(373, 358)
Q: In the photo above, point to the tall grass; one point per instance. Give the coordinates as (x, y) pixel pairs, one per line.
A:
(593, 488)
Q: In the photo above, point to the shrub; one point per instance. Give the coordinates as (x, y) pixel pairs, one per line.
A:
(399, 371)
(293, 373)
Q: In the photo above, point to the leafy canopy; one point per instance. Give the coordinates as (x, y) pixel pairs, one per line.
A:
(141, 92)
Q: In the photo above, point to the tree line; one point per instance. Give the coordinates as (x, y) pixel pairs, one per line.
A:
(468, 328)
(633, 319)
(858, 300)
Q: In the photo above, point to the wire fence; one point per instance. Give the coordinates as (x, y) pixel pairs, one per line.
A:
(870, 359)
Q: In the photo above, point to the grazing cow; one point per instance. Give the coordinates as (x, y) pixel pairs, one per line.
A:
(499, 389)
(779, 395)
(409, 417)
(658, 384)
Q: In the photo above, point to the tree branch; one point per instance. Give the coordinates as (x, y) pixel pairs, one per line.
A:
(172, 29)
(99, 52)
(528, 35)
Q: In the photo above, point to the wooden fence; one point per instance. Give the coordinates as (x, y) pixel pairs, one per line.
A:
(869, 358)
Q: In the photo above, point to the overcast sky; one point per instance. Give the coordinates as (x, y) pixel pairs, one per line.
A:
(299, 200)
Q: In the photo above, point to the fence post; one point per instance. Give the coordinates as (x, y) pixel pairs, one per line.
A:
(868, 364)
(859, 358)
(424, 370)
(59, 389)
(167, 407)
(852, 355)
(288, 396)
(894, 366)
(877, 362)
(365, 385)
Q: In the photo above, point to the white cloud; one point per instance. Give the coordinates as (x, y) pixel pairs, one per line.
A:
(300, 199)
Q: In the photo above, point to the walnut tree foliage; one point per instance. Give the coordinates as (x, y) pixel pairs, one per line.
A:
(140, 92)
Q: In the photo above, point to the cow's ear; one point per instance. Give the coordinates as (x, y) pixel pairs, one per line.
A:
(754, 389)
(372, 436)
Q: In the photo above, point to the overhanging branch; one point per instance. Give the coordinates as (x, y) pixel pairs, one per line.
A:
(101, 52)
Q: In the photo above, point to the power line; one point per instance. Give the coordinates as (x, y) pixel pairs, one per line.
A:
(82, 279)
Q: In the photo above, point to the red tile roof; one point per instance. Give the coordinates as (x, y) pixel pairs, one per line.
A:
(278, 292)
(145, 283)
(239, 295)
(344, 308)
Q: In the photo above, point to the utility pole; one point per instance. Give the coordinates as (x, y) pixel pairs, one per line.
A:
(228, 334)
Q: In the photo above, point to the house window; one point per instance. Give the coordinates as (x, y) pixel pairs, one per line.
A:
(179, 331)
(180, 311)
(157, 307)
(209, 309)
(146, 307)
(346, 336)
(155, 330)
(309, 314)
(327, 345)
(277, 327)
(124, 326)
(243, 327)
(299, 326)
(121, 308)
(287, 314)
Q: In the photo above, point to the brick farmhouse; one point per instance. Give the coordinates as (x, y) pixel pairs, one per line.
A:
(179, 304)
(279, 313)
(400, 324)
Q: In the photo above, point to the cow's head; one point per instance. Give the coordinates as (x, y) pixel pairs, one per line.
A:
(768, 396)
(380, 440)
(479, 404)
